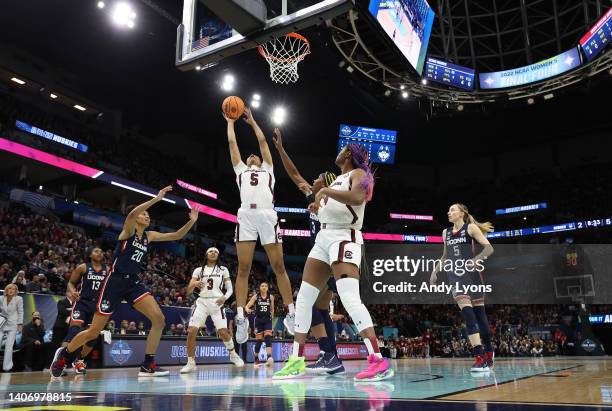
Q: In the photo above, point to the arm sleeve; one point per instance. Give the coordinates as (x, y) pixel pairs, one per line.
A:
(240, 168)
(229, 289)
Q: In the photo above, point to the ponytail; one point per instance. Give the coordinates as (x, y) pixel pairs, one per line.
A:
(359, 159)
(485, 227)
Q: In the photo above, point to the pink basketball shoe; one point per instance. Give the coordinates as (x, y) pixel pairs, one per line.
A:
(378, 369)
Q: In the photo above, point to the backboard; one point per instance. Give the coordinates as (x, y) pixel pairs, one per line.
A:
(574, 287)
(203, 39)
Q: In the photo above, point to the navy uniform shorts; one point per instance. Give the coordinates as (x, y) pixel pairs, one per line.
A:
(468, 279)
(83, 311)
(118, 287)
(331, 285)
(262, 324)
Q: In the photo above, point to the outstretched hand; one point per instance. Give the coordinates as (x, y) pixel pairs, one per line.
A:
(248, 116)
(194, 213)
(321, 195)
(305, 188)
(229, 120)
(163, 192)
(277, 138)
(313, 208)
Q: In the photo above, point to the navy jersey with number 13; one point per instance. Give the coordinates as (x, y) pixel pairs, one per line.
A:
(130, 255)
(91, 283)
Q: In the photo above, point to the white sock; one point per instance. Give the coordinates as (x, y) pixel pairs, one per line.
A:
(240, 312)
(306, 298)
(291, 308)
(296, 349)
(370, 348)
(229, 345)
(191, 360)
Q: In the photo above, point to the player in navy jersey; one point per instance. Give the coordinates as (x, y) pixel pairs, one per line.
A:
(322, 326)
(459, 248)
(84, 287)
(123, 283)
(264, 311)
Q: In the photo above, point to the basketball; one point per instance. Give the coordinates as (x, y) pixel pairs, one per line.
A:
(233, 107)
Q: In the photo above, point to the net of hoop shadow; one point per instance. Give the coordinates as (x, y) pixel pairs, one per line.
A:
(513, 274)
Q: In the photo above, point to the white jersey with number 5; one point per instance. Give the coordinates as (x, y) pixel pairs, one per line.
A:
(256, 185)
(213, 278)
(335, 213)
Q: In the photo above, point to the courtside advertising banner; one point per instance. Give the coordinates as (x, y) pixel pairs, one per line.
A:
(128, 351)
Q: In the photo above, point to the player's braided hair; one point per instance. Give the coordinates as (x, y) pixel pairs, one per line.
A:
(485, 227)
(360, 158)
(328, 178)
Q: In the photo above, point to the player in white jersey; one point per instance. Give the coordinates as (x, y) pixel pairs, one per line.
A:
(209, 280)
(341, 209)
(256, 218)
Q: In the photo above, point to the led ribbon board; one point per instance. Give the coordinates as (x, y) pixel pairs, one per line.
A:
(520, 209)
(542, 70)
(28, 128)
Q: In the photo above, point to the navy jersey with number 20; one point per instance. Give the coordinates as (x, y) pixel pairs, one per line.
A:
(130, 255)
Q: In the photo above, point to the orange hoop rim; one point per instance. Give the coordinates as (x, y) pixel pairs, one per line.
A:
(267, 56)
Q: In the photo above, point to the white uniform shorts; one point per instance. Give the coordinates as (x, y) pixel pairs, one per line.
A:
(204, 307)
(338, 245)
(262, 223)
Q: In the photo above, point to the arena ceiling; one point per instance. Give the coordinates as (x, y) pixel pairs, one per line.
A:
(134, 72)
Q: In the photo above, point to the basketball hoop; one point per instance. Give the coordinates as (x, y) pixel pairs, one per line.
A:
(283, 55)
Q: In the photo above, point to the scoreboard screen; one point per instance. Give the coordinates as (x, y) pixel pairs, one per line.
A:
(598, 37)
(408, 24)
(450, 74)
(595, 223)
(379, 143)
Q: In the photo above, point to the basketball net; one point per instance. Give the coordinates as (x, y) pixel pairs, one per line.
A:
(283, 54)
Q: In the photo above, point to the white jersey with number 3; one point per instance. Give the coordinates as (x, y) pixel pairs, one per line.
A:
(335, 213)
(213, 279)
(256, 185)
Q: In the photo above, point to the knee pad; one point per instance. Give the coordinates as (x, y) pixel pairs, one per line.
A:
(470, 320)
(348, 290)
(303, 307)
(72, 332)
(268, 341)
(316, 317)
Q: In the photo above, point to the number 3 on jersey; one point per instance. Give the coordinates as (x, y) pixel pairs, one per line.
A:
(254, 179)
(137, 256)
